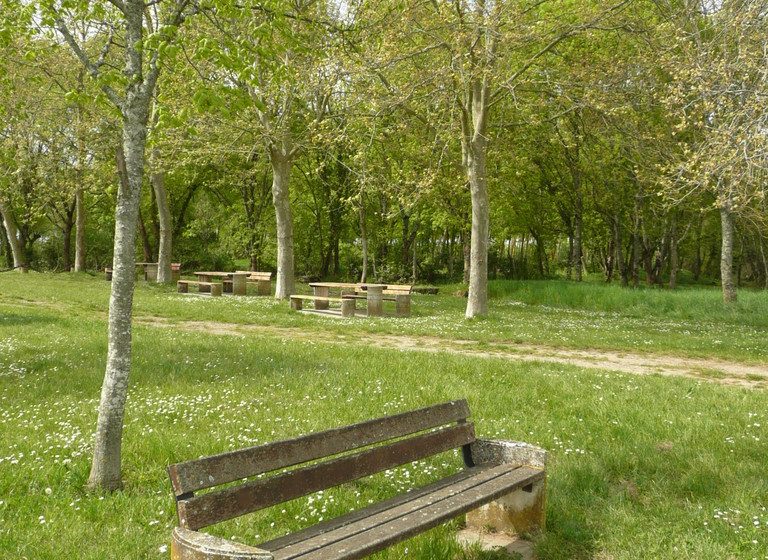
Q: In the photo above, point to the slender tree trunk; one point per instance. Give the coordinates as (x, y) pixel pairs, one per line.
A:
(636, 245)
(12, 231)
(674, 263)
(66, 249)
(726, 254)
(79, 231)
(466, 250)
(165, 232)
(363, 238)
(281, 173)
(618, 245)
(146, 245)
(477, 301)
(105, 469)
(5, 246)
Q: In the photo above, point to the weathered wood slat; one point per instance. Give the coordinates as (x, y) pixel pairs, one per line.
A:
(357, 515)
(416, 517)
(349, 525)
(211, 471)
(207, 509)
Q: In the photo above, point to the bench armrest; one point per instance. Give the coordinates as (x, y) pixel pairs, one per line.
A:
(497, 452)
(193, 545)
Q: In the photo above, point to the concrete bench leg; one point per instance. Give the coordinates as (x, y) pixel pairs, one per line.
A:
(522, 511)
(215, 289)
(402, 305)
(296, 304)
(348, 307)
(264, 287)
(322, 292)
(239, 285)
(182, 287)
(375, 301)
(150, 273)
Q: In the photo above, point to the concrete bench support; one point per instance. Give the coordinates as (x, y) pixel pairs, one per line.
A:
(522, 511)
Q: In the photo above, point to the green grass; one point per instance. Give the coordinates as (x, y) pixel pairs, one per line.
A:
(641, 467)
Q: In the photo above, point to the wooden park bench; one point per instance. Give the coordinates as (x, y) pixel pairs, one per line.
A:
(108, 274)
(347, 303)
(214, 288)
(501, 488)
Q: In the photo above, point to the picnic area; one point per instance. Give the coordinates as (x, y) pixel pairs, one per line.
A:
(390, 279)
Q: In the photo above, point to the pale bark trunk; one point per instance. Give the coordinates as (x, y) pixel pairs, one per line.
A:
(17, 250)
(105, 468)
(726, 255)
(363, 239)
(79, 231)
(281, 173)
(466, 252)
(477, 300)
(165, 237)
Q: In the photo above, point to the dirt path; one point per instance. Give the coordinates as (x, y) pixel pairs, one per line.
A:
(711, 369)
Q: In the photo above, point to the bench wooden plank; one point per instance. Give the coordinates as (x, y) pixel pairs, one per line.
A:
(321, 298)
(407, 520)
(201, 511)
(348, 525)
(207, 472)
(357, 515)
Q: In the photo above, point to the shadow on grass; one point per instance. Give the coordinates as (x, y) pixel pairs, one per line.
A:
(17, 319)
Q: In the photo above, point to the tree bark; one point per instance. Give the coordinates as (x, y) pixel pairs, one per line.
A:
(79, 231)
(105, 468)
(363, 238)
(674, 263)
(165, 233)
(281, 173)
(146, 246)
(12, 231)
(477, 300)
(726, 254)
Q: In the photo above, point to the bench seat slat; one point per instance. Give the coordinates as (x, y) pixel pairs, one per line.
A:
(350, 524)
(371, 534)
(204, 510)
(207, 472)
(363, 513)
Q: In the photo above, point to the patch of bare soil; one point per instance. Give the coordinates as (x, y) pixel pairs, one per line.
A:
(709, 369)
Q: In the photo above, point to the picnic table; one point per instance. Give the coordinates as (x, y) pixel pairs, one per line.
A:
(238, 279)
(374, 294)
(150, 270)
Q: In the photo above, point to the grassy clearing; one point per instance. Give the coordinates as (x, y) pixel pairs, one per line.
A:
(650, 468)
(689, 322)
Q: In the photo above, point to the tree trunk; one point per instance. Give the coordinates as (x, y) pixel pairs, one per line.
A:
(146, 246)
(79, 231)
(12, 231)
(618, 245)
(66, 233)
(105, 469)
(165, 233)
(281, 173)
(477, 300)
(363, 238)
(726, 254)
(636, 241)
(674, 263)
(466, 250)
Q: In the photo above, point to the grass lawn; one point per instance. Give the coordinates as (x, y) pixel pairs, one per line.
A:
(644, 467)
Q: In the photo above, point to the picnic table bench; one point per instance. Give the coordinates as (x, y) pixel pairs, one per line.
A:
(399, 293)
(232, 282)
(213, 288)
(372, 293)
(347, 303)
(501, 487)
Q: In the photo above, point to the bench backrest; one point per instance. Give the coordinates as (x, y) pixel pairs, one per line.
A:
(398, 289)
(417, 438)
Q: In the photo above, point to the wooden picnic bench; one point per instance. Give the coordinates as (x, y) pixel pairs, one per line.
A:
(501, 487)
(213, 288)
(347, 303)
